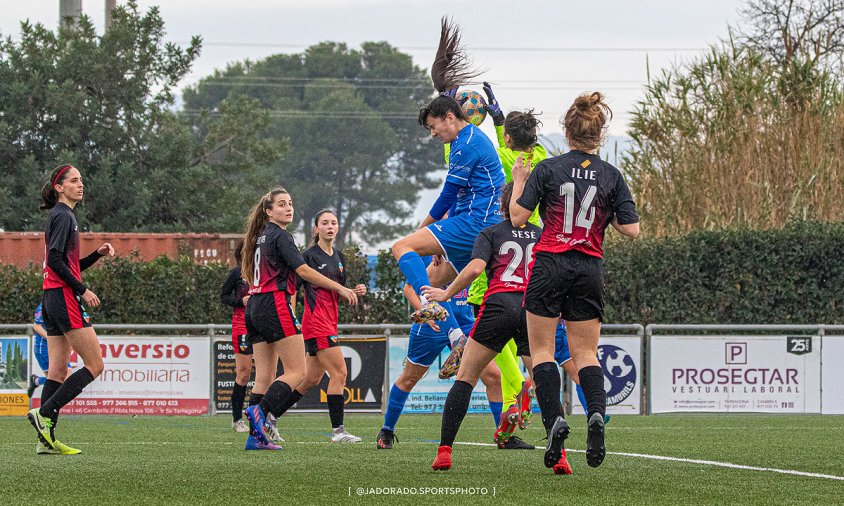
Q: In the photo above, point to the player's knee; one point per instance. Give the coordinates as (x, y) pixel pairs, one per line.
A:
(399, 248)
(242, 375)
(339, 377)
(407, 380)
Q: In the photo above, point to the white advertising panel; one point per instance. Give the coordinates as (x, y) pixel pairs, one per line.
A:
(428, 396)
(833, 375)
(620, 358)
(145, 376)
(764, 374)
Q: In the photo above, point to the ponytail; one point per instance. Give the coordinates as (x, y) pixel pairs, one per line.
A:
(254, 225)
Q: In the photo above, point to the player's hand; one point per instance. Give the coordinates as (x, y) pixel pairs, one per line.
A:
(435, 294)
(433, 325)
(90, 299)
(521, 168)
(492, 106)
(360, 290)
(453, 94)
(348, 295)
(106, 249)
(245, 300)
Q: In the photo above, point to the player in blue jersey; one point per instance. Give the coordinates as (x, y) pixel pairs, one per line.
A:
(472, 188)
(426, 343)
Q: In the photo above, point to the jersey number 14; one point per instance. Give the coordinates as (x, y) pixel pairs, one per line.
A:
(586, 216)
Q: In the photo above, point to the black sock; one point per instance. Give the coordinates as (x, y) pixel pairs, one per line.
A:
(49, 389)
(456, 405)
(547, 379)
(335, 410)
(66, 392)
(274, 399)
(255, 398)
(291, 400)
(238, 395)
(592, 383)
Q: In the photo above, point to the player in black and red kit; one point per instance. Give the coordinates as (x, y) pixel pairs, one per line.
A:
(271, 262)
(234, 293)
(63, 312)
(319, 324)
(504, 252)
(579, 195)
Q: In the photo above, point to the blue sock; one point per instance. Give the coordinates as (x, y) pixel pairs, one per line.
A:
(42, 380)
(395, 405)
(414, 271)
(495, 407)
(581, 396)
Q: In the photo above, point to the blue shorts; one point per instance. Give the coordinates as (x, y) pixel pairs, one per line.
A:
(561, 348)
(456, 236)
(426, 344)
(39, 349)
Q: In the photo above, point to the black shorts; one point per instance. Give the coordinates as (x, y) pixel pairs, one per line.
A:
(500, 319)
(570, 284)
(63, 311)
(314, 344)
(241, 344)
(270, 318)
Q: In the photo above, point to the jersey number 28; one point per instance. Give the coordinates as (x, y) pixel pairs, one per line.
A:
(510, 275)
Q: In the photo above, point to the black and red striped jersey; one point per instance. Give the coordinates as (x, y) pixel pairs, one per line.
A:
(276, 259)
(507, 251)
(578, 195)
(321, 305)
(62, 235)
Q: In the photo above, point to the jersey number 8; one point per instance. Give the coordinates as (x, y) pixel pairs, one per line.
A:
(256, 270)
(510, 275)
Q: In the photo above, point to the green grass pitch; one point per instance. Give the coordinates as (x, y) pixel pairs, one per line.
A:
(200, 460)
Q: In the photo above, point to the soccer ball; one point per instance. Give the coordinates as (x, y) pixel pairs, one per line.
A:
(474, 107)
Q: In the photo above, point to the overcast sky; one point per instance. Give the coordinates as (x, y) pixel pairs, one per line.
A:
(558, 47)
(540, 54)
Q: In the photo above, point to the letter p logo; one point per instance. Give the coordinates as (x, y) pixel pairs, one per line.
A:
(736, 353)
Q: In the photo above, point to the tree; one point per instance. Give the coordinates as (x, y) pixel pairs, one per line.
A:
(795, 29)
(349, 117)
(739, 138)
(104, 103)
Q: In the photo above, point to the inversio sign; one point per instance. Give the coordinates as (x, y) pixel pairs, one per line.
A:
(735, 374)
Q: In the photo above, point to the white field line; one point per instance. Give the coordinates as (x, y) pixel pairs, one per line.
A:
(713, 463)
